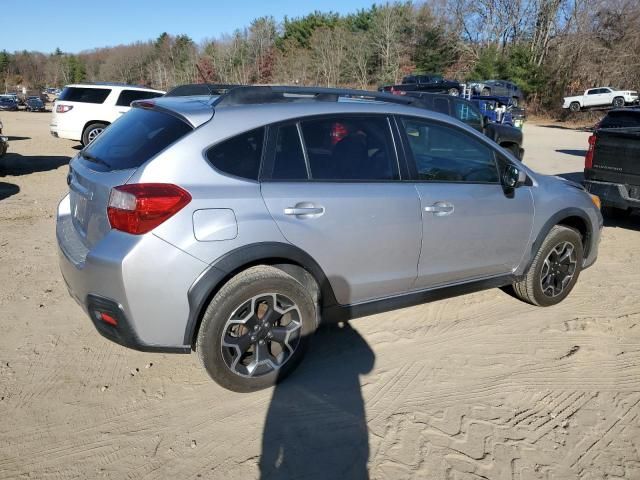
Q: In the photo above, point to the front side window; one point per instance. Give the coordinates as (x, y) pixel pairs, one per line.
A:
(240, 155)
(350, 148)
(84, 95)
(593, 92)
(445, 154)
(128, 96)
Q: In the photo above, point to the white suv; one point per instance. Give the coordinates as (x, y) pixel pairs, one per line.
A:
(83, 111)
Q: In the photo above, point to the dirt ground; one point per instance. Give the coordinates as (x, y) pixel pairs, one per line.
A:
(476, 387)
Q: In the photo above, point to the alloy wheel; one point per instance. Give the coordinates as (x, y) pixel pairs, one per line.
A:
(261, 335)
(94, 133)
(558, 269)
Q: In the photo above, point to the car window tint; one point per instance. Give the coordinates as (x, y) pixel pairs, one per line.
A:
(441, 105)
(239, 156)
(288, 163)
(446, 154)
(467, 114)
(85, 95)
(134, 138)
(350, 148)
(128, 96)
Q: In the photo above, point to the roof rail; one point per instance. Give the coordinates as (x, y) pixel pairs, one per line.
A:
(250, 95)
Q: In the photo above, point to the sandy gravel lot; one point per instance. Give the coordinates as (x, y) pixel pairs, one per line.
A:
(476, 387)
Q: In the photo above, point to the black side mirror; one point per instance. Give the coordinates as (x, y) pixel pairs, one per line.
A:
(513, 177)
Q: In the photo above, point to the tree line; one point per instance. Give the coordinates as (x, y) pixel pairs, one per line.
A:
(548, 47)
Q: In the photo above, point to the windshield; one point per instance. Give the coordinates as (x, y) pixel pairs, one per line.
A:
(134, 138)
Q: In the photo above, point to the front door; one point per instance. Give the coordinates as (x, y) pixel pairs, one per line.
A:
(332, 186)
(472, 229)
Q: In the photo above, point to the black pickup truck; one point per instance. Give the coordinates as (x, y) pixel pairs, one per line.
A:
(425, 83)
(612, 163)
(506, 136)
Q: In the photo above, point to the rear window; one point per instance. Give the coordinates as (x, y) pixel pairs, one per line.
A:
(134, 138)
(621, 120)
(84, 95)
(128, 96)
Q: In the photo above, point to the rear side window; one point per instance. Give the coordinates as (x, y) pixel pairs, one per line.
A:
(134, 138)
(84, 95)
(621, 120)
(446, 154)
(466, 113)
(441, 105)
(128, 96)
(239, 156)
(350, 148)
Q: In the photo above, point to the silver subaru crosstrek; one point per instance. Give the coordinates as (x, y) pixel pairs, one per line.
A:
(233, 225)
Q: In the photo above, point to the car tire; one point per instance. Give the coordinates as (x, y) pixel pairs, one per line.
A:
(515, 101)
(454, 92)
(551, 277)
(486, 92)
(574, 107)
(236, 341)
(515, 149)
(91, 132)
(618, 102)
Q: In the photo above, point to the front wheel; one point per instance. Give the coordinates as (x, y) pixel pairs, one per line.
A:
(554, 270)
(574, 107)
(618, 102)
(256, 329)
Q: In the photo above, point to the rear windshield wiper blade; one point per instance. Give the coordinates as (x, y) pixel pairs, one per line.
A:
(93, 158)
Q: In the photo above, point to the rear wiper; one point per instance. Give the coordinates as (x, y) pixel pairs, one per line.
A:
(93, 158)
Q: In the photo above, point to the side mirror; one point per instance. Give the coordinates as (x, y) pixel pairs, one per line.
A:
(513, 177)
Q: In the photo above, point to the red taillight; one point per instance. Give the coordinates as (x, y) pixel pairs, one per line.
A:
(588, 159)
(140, 207)
(63, 108)
(105, 317)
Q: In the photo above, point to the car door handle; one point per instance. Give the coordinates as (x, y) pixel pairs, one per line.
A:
(440, 209)
(304, 211)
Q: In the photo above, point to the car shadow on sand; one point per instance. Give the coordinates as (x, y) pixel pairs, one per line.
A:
(316, 425)
(577, 153)
(15, 164)
(15, 139)
(8, 189)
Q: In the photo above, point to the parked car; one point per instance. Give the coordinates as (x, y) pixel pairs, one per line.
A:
(425, 83)
(35, 104)
(502, 88)
(7, 103)
(466, 111)
(600, 97)
(83, 111)
(275, 208)
(611, 167)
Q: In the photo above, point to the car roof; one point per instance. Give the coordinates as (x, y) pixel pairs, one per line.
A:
(112, 85)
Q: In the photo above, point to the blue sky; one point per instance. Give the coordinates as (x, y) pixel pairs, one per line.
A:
(75, 25)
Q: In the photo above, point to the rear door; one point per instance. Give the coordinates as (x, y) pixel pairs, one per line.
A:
(110, 160)
(472, 229)
(333, 186)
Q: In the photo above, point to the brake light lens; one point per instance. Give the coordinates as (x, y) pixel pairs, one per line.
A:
(63, 108)
(140, 207)
(588, 159)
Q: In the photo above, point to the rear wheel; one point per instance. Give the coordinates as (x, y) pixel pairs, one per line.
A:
(256, 329)
(554, 270)
(618, 102)
(91, 132)
(574, 107)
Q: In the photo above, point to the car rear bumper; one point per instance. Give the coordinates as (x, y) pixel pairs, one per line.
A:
(68, 134)
(123, 277)
(612, 194)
